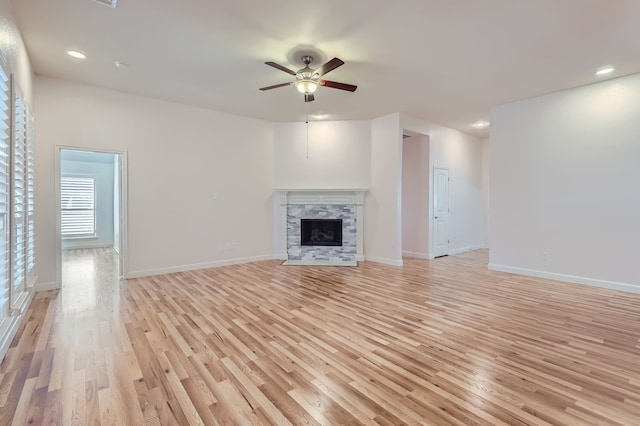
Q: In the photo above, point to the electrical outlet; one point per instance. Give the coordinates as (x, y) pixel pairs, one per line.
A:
(546, 255)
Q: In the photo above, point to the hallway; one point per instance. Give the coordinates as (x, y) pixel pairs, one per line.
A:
(89, 279)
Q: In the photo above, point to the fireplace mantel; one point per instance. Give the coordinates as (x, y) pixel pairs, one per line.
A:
(321, 196)
(317, 197)
(321, 190)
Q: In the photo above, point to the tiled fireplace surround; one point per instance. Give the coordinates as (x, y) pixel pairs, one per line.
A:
(345, 204)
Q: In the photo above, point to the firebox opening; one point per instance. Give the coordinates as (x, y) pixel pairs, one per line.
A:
(321, 232)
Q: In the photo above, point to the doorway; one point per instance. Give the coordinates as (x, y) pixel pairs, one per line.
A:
(424, 200)
(415, 196)
(91, 213)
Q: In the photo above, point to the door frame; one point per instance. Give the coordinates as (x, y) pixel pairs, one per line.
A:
(123, 254)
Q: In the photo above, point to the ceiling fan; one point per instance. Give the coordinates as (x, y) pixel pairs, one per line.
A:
(307, 80)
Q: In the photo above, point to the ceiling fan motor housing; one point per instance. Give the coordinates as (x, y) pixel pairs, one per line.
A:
(307, 73)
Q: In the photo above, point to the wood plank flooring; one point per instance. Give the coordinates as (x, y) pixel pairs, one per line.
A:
(441, 342)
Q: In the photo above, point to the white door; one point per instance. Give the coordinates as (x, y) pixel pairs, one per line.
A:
(441, 211)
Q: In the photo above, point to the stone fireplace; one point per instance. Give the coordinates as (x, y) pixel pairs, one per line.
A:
(321, 226)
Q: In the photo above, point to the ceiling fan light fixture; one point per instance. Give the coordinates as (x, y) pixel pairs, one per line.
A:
(306, 86)
(307, 79)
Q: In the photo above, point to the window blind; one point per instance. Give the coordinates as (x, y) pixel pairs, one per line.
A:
(18, 199)
(77, 206)
(5, 106)
(30, 170)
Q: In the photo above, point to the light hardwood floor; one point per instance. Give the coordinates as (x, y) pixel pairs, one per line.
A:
(441, 342)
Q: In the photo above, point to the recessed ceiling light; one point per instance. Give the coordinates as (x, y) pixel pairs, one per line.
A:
(76, 54)
(120, 64)
(319, 116)
(480, 124)
(605, 69)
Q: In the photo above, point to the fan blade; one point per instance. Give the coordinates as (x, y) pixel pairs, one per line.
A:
(308, 97)
(329, 66)
(275, 86)
(336, 85)
(281, 68)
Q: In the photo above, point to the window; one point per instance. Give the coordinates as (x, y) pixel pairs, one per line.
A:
(5, 249)
(17, 237)
(77, 203)
(30, 170)
(20, 208)
(19, 195)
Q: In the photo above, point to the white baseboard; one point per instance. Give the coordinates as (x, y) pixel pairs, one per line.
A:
(416, 255)
(612, 285)
(430, 256)
(46, 286)
(87, 246)
(466, 249)
(194, 266)
(391, 262)
(360, 258)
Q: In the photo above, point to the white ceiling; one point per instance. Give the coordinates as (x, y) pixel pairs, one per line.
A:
(446, 61)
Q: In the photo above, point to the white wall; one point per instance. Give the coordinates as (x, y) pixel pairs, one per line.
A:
(382, 209)
(339, 155)
(14, 51)
(101, 167)
(200, 182)
(564, 179)
(369, 154)
(415, 196)
(462, 155)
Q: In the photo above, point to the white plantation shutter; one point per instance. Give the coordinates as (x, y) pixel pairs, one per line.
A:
(77, 202)
(5, 106)
(17, 237)
(19, 195)
(30, 170)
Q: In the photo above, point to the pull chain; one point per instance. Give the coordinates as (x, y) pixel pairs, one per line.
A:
(307, 123)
